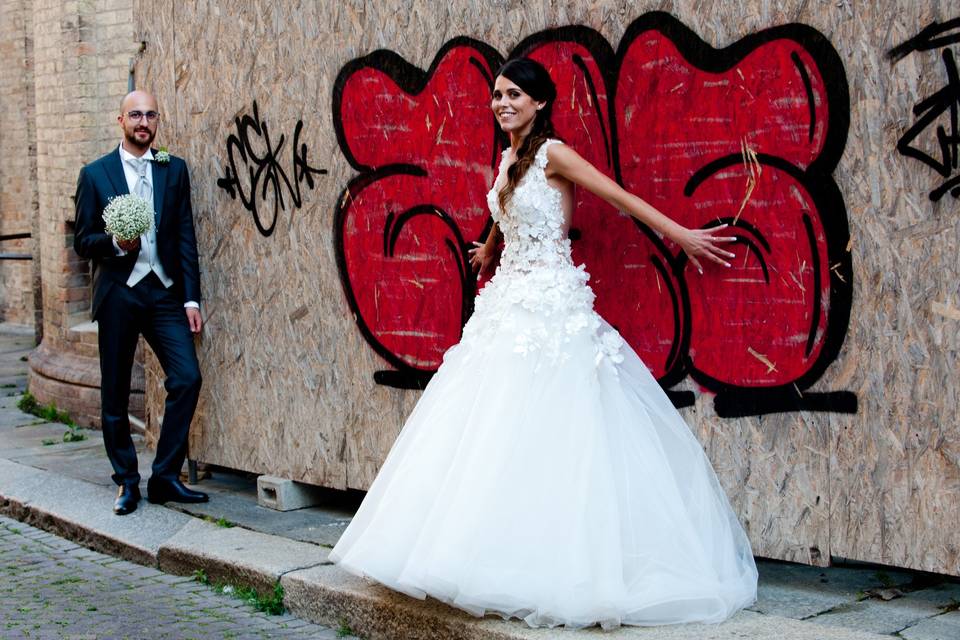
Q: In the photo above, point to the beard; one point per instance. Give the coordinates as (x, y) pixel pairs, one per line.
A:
(139, 141)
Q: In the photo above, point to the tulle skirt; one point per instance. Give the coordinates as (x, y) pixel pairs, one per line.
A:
(560, 490)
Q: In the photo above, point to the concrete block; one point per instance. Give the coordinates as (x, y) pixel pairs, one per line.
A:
(285, 495)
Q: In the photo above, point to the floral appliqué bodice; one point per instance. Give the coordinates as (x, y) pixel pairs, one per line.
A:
(537, 273)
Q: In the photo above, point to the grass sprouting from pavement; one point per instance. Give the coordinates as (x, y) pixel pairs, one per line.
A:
(271, 604)
(220, 522)
(344, 629)
(29, 404)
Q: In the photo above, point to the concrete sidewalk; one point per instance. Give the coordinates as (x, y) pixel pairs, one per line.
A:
(65, 488)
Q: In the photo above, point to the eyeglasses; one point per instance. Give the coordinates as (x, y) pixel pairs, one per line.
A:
(151, 116)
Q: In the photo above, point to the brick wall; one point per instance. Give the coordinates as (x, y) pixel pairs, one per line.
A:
(18, 169)
(82, 53)
(82, 50)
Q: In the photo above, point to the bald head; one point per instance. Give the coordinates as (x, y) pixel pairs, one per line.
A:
(137, 99)
(139, 117)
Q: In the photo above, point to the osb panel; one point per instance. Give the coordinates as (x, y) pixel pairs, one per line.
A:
(895, 466)
(288, 375)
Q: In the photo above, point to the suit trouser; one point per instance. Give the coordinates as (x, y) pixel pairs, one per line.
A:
(147, 308)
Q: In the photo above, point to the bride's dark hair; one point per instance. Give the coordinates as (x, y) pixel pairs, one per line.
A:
(536, 82)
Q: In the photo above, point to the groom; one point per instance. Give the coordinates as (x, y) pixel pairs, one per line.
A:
(149, 286)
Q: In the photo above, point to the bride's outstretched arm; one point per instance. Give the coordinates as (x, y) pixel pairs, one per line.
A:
(482, 255)
(696, 243)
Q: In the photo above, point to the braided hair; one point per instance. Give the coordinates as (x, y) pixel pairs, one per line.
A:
(535, 81)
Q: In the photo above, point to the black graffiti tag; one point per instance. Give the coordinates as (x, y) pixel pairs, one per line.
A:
(264, 175)
(929, 110)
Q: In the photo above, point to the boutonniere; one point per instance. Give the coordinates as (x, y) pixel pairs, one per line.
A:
(162, 156)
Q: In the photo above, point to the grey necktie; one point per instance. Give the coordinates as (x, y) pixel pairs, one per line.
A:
(143, 188)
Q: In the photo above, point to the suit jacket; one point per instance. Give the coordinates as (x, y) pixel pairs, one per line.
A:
(103, 179)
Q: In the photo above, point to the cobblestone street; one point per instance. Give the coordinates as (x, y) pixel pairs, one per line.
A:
(53, 588)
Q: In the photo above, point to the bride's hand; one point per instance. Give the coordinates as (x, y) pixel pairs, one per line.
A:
(481, 258)
(704, 243)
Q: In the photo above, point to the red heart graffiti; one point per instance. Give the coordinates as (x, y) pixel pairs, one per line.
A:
(427, 146)
(747, 136)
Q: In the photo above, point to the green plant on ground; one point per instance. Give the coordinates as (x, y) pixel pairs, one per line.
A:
(344, 629)
(73, 434)
(271, 604)
(220, 522)
(48, 441)
(9, 385)
(28, 404)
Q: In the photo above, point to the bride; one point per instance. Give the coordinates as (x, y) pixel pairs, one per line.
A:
(544, 474)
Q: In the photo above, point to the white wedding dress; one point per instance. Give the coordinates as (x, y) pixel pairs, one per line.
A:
(544, 474)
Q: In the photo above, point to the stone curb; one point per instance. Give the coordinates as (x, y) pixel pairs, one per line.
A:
(314, 589)
(235, 555)
(79, 511)
(330, 596)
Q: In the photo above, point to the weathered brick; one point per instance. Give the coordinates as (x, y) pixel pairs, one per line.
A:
(66, 68)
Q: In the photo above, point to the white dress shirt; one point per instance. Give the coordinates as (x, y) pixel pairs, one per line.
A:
(147, 260)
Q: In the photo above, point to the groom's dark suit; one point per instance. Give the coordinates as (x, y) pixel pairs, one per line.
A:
(148, 307)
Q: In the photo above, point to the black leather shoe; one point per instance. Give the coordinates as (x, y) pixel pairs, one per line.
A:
(162, 490)
(127, 498)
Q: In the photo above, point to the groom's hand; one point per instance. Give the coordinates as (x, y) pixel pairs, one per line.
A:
(129, 245)
(194, 319)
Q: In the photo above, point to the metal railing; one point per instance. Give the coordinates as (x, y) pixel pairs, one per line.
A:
(7, 255)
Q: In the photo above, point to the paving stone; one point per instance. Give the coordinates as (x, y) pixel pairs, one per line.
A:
(58, 599)
(942, 595)
(799, 592)
(235, 500)
(17, 478)
(877, 616)
(943, 627)
(891, 616)
(11, 417)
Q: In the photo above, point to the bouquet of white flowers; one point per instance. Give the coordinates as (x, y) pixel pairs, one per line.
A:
(127, 217)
